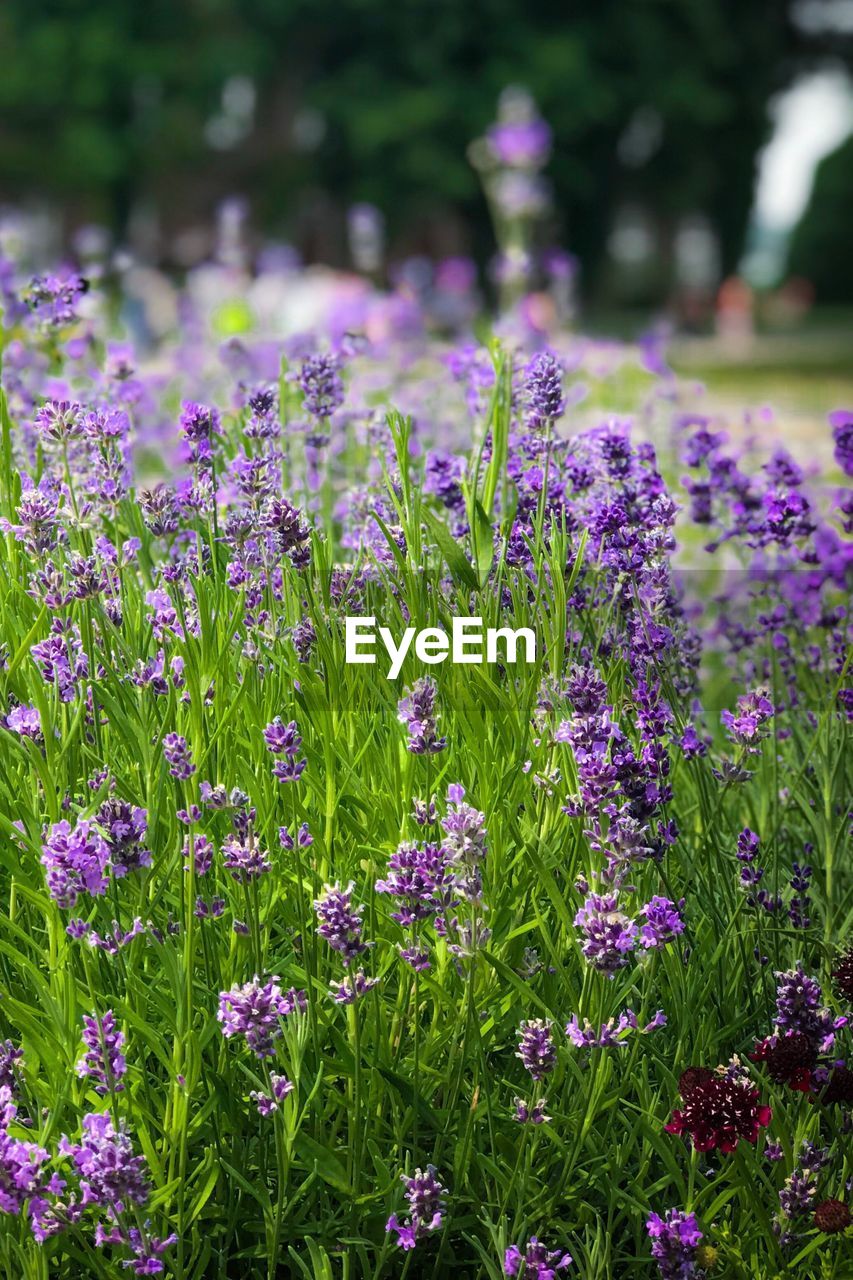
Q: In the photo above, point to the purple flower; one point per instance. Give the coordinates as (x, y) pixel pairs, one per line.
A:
(267, 1103)
(464, 841)
(543, 387)
(284, 740)
(10, 1057)
(245, 861)
(103, 1060)
(610, 935)
(54, 298)
(531, 1112)
(124, 827)
(418, 877)
(612, 1033)
(798, 1008)
(536, 1262)
(841, 421)
(536, 1048)
(340, 924)
(254, 1010)
(177, 753)
(425, 1196)
(749, 726)
(675, 1238)
(287, 530)
(416, 710)
(348, 990)
(21, 1174)
(25, 721)
(76, 860)
(321, 385)
(663, 922)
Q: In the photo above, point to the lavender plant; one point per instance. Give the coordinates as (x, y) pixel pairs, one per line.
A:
(561, 947)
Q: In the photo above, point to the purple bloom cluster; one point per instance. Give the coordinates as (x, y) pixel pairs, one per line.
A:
(177, 753)
(749, 726)
(416, 710)
(663, 922)
(287, 531)
(675, 1238)
(124, 827)
(798, 1008)
(245, 860)
(536, 1048)
(76, 860)
(103, 1060)
(535, 1261)
(267, 1103)
(321, 385)
(253, 1011)
(284, 740)
(340, 924)
(425, 1197)
(609, 934)
(612, 1033)
(543, 387)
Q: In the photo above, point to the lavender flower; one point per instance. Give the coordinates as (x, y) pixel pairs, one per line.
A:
(321, 385)
(76, 861)
(350, 988)
(536, 1262)
(749, 726)
(536, 1048)
(675, 1238)
(103, 1060)
(287, 530)
(416, 710)
(610, 935)
(245, 861)
(663, 922)
(543, 387)
(464, 841)
(530, 1112)
(798, 1001)
(254, 1010)
(267, 1103)
(114, 1176)
(340, 925)
(124, 827)
(177, 753)
(25, 721)
(425, 1196)
(841, 421)
(21, 1172)
(284, 740)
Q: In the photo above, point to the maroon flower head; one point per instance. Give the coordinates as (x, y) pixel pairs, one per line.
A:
(842, 975)
(789, 1059)
(718, 1113)
(832, 1216)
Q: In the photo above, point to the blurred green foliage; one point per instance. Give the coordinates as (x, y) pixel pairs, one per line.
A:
(106, 105)
(821, 245)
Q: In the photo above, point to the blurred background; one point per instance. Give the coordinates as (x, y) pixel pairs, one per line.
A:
(684, 159)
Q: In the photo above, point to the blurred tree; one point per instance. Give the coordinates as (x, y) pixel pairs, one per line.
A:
(306, 106)
(820, 245)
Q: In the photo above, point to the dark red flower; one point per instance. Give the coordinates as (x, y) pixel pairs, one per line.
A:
(718, 1112)
(839, 1086)
(842, 975)
(691, 1077)
(832, 1216)
(789, 1059)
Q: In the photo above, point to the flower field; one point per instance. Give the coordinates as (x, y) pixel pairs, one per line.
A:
(495, 968)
